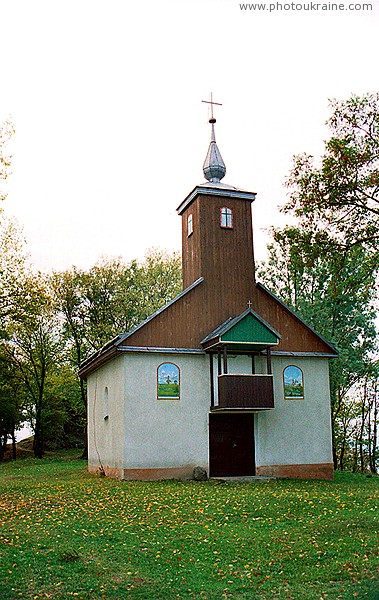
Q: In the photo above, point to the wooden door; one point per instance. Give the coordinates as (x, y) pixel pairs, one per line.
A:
(231, 445)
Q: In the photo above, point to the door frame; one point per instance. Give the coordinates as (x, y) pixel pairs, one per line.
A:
(231, 422)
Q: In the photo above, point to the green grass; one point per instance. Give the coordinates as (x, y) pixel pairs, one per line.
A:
(67, 534)
(168, 390)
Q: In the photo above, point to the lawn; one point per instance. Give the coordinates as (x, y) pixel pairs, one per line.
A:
(168, 390)
(67, 534)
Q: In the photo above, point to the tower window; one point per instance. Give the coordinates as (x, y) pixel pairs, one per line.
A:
(189, 225)
(226, 218)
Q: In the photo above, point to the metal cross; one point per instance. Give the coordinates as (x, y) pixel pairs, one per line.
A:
(249, 304)
(211, 103)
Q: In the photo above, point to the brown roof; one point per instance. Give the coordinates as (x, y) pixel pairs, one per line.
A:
(199, 310)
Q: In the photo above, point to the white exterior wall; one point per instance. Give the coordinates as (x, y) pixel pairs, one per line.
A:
(297, 431)
(163, 434)
(144, 433)
(105, 436)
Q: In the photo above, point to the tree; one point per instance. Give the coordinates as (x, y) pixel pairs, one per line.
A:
(116, 296)
(11, 405)
(33, 347)
(12, 254)
(365, 424)
(6, 132)
(343, 192)
(110, 298)
(64, 417)
(326, 266)
(335, 293)
(68, 302)
(12, 267)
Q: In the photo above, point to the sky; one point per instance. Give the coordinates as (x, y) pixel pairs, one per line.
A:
(111, 132)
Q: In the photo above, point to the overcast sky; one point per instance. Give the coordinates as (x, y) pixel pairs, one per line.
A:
(111, 133)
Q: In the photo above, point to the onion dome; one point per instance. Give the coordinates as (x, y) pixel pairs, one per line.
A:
(214, 167)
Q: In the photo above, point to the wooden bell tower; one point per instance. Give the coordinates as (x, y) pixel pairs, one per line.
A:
(217, 236)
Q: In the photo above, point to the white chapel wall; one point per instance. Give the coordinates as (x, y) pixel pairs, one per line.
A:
(164, 434)
(105, 432)
(297, 431)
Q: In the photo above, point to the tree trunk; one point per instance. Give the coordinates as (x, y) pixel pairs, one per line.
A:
(355, 454)
(3, 446)
(14, 447)
(361, 432)
(335, 457)
(374, 439)
(342, 455)
(345, 423)
(334, 449)
(38, 443)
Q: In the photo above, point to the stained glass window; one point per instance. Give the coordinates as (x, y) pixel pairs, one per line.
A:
(293, 383)
(168, 382)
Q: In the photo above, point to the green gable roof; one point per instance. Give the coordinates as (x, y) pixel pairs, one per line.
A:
(247, 331)
(250, 329)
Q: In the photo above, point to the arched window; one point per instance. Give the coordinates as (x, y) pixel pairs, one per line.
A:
(189, 225)
(293, 382)
(168, 382)
(105, 403)
(226, 218)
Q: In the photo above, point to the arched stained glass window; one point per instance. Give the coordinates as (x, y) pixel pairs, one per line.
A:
(168, 382)
(293, 383)
(226, 218)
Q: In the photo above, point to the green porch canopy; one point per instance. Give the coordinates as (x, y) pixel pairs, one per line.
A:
(247, 332)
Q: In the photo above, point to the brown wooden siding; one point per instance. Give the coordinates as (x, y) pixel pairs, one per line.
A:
(246, 391)
(186, 322)
(217, 253)
(190, 244)
(296, 337)
(224, 258)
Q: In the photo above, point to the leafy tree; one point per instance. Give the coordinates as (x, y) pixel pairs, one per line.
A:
(33, 347)
(110, 298)
(117, 296)
(12, 255)
(64, 417)
(11, 405)
(343, 192)
(326, 266)
(6, 132)
(365, 424)
(12, 267)
(372, 422)
(67, 290)
(335, 293)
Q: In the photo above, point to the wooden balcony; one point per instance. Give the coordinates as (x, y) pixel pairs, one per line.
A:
(254, 392)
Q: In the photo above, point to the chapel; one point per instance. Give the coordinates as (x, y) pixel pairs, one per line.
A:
(225, 377)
